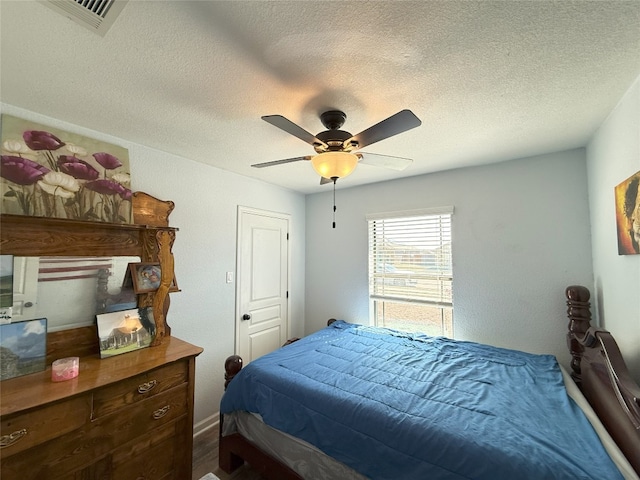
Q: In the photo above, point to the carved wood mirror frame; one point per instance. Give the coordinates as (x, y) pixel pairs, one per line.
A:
(149, 237)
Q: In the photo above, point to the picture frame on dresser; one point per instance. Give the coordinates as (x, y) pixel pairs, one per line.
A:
(23, 348)
(146, 277)
(125, 331)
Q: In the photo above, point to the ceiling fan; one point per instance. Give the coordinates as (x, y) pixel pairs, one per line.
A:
(335, 148)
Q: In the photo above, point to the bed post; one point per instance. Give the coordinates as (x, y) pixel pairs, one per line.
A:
(227, 460)
(232, 366)
(579, 313)
(234, 450)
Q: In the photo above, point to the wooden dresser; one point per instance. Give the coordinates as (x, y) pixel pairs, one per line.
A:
(124, 417)
(129, 416)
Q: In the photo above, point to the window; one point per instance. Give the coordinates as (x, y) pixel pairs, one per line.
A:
(410, 270)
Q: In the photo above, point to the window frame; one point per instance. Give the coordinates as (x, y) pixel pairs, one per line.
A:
(398, 286)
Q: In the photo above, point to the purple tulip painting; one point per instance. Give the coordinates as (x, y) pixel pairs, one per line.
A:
(47, 172)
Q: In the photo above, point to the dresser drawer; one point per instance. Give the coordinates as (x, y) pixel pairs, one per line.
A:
(75, 454)
(114, 397)
(25, 430)
(151, 456)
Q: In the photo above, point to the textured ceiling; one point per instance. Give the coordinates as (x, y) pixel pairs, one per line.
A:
(491, 81)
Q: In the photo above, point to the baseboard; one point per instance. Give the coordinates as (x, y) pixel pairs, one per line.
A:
(206, 424)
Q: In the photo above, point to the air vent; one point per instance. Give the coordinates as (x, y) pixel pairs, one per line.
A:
(96, 15)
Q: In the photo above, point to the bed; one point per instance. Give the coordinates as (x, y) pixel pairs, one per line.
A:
(356, 402)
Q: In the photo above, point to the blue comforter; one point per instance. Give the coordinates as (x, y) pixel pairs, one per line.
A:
(399, 406)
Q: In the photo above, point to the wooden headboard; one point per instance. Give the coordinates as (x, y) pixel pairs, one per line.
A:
(601, 373)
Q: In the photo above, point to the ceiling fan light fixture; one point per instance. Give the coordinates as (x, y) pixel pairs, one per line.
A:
(334, 164)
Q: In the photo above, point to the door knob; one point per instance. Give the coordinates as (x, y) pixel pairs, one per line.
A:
(28, 304)
(246, 316)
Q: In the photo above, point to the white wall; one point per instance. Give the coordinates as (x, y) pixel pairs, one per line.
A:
(206, 201)
(521, 235)
(613, 155)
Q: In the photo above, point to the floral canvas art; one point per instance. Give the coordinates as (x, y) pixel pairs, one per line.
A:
(47, 172)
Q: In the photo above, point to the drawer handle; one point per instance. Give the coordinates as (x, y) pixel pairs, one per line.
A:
(147, 386)
(161, 412)
(8, 440)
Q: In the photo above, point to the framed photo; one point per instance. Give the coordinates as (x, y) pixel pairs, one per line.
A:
(125, 331)
(146, 277)
(627, 195)
(127, 281)
(23, 346)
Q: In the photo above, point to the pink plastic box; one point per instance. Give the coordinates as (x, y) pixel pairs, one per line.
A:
(65, 369)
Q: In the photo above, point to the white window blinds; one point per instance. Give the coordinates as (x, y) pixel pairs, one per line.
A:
(410, 256)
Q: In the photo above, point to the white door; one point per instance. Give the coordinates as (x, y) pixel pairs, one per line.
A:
(262, 321)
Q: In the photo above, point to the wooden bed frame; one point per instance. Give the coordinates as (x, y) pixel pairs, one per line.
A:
(597, 367)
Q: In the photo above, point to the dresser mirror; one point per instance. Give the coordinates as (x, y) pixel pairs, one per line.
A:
(149, 239)
(69, 291)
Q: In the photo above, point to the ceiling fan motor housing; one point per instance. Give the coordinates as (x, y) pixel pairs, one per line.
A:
(333, 138)
(333, 119)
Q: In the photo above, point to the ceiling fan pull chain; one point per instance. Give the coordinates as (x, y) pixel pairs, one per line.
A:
(334, 201)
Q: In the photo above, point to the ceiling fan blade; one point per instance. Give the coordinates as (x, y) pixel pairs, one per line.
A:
(400, 122)
(279, 162)
(385, 161)
(293, 129)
